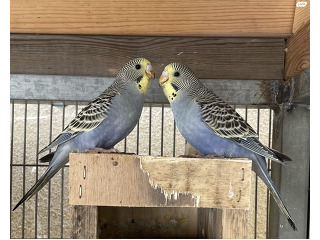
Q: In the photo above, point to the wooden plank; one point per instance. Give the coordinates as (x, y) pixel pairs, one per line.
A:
(301, 15)
(84, 222)
(291, 136)
(298, 52)
(222, 223)
(145, 181)
(219, 58)
(165, 18)
(72, 88)
(168, 222)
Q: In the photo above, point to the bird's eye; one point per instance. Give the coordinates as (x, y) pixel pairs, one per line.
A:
(138, 66)
(176, 74)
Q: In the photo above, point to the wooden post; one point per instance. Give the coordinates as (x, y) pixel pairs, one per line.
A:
(220, 223)
(291, 136)
(84, 222)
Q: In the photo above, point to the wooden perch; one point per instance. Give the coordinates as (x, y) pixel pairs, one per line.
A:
(146, 181)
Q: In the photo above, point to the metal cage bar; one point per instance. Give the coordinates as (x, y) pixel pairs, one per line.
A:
(152, 109)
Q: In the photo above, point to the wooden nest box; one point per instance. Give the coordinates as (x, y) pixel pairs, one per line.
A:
(125, 180)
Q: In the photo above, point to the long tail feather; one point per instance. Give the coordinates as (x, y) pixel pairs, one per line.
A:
(59, 160)
(260, 168)
(280, 155)
(47, 158)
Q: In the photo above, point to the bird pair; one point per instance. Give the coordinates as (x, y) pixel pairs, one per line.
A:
(209, 124)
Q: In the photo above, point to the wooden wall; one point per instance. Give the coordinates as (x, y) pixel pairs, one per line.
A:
(163, 18)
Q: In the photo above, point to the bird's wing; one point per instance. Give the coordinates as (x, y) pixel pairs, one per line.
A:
(88, 119)
(221, 118)
(225, 122)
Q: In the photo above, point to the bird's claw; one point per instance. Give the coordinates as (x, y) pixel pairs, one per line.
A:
(101, 150)
(191, 156)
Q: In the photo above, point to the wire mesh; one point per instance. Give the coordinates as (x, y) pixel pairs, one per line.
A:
(47, 215)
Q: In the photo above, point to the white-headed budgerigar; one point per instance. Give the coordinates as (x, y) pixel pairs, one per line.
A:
(214, 128)
(103, 122)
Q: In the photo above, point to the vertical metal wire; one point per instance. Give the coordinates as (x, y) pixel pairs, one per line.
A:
(125, 145)
(150, 116)
(37, 173)
(11, 162)
(256, 189)
(24, 163)
(62, 177)
(268, 165)
(76, 108)
(138, 130)
(174, 138)
(49, 184)
(162, 122)
(246, 113)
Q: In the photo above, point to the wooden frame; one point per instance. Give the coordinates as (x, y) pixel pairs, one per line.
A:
(136, 181)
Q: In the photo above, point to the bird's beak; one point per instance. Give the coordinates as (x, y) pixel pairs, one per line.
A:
(150, 71)
(163, 78)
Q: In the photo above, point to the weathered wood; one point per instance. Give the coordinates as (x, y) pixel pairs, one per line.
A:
(291, 136)
(298, 52)
(222, 223)
(225, 58)
(71, 88)
(168, 222)
(301, 15)
(297, 89)
(145, 181)
(84, 222)
(174, 18)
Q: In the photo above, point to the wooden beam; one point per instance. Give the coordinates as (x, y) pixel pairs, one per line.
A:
(73, 88)
(298, 52)
(291, 136)
(84, 222)
(222, 223)
(145, 181)
(301, 15)
(164, 18)
(219, 58)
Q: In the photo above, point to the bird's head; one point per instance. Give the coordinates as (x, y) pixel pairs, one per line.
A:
(176, 77)
(139, 71)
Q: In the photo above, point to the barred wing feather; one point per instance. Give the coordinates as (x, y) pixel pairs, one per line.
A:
(88, 119)
(225, 122)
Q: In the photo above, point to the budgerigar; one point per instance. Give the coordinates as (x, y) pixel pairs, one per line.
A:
(103, 122)
(214, 128)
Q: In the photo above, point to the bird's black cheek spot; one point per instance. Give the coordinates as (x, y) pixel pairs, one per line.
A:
(175, 87)
(139, 79)
(140, 86)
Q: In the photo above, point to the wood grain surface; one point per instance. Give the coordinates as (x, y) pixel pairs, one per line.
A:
(224, 58)
(298, 52)
(145, 181)
(157, 18)
(84, 222)
(222, 223)
(301, 15)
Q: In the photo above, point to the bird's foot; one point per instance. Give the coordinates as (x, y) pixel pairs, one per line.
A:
(191, 156)
(101, 150)
(213, 156)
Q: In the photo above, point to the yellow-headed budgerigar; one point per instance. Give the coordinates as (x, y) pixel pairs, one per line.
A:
(103, 122)
(214, 128)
